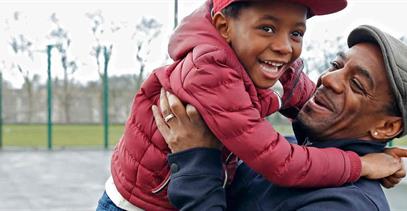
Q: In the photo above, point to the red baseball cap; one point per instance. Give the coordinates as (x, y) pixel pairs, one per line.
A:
(316, 7)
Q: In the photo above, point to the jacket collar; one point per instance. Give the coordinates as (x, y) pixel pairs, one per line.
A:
(361, 147)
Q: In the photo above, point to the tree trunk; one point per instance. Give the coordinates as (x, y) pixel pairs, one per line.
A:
(140, 77)
(30, 103)
(66, 98)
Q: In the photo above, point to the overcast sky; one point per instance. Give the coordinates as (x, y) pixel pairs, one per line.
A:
(390, 15)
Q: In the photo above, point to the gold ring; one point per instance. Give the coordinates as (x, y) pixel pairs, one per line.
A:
(169, 117)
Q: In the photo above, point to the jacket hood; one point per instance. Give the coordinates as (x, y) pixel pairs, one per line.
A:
(194, 30)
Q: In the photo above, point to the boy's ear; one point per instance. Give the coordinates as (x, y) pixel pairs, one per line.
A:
(389, 128)
(221, 24)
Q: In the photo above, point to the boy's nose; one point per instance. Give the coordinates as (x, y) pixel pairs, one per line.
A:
(281, 44)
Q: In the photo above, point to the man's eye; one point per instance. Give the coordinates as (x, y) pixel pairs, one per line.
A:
(335, 65)
(267, 29)
(356, 84)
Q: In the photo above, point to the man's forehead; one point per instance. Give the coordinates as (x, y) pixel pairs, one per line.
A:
(342, 55)
(366, 61)
(364, 53)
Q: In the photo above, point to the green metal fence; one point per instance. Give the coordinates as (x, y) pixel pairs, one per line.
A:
(1, 109)
(50, 124)
(49, 97)
(107, 53)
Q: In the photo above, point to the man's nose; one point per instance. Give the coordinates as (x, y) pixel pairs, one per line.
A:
(333, 80)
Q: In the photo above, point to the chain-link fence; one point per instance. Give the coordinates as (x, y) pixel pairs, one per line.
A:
(74, 108)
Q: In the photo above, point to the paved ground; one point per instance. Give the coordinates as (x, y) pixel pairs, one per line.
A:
(73, 180)
(69, 180)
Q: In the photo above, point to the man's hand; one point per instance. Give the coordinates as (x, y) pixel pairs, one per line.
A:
(395, 178)
(186, 129)
(387, 166)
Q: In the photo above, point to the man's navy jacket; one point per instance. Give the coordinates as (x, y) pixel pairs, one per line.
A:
(197, 184)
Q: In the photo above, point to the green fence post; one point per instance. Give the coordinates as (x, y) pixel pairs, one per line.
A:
(175, 13)
(390, 143)
(106, 53)
(49, 97)
(1, 109)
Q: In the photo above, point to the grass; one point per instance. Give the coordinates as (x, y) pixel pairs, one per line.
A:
(63, 135)
(84, 135)
(400, 142)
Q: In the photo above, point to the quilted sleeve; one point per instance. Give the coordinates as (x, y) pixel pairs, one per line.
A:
(220, 95)
(270, 101)
(298, 88)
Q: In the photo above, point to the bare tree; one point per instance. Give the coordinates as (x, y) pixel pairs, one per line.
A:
(319, 55)
(102, 47)
(62, 43)
(146, 31)
(22, 48)
(99, 29)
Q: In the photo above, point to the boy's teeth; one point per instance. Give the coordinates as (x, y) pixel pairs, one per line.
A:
(273, 63)
(278, 64)
(271, 69)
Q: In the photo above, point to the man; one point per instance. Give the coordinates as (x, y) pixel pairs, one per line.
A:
(360, 104)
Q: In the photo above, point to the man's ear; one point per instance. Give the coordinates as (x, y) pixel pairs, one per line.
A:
(389, 128)
(221, 24)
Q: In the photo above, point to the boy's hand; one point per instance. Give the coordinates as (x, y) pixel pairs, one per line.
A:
(386, 165)
(186, 129)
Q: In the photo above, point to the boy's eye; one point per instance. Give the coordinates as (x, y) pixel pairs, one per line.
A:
(298, 34)
(267, 29)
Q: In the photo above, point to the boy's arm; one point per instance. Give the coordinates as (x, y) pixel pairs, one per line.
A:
(197, 180)
(298, 89)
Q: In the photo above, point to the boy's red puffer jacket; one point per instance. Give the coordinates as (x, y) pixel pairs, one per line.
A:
(208, 75)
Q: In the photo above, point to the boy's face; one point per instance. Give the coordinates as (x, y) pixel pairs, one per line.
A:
(267, 37)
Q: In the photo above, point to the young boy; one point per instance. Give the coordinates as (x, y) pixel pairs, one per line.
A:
(226, 58)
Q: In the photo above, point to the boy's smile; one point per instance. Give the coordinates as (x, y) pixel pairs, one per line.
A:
(266, 37)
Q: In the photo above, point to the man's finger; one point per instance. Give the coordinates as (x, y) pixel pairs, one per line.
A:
(194, 115)
(176, 106)
(386, 183)
(159, 121)
(394, 180)
(399, 152)
(164, 106)
(400, 173)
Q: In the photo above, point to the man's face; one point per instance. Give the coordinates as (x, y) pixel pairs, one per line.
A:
(351, 97)
(267, 37)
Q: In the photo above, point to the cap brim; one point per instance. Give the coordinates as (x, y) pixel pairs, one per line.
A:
(318, 7)
(315, 7)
